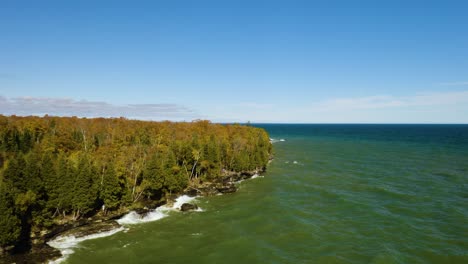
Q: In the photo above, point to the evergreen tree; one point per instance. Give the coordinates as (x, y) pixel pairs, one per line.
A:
(49, 164)
(33, 173)
(111, 192)
(84, 190)
(10, 225)
(153, 176)
(62, 196)
(14, 174)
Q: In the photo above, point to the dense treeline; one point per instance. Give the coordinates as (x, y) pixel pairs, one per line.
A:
(56, 169)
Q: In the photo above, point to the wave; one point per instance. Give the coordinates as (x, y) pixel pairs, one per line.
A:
(256, 176)
(133, 217)
(66, 243)
(181, 200)
(272, 140)
(239, 181)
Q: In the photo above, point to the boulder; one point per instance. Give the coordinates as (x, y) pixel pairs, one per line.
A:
(188, 207)
(192, 192)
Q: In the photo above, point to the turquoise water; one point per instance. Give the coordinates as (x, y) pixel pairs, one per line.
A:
(333, 194)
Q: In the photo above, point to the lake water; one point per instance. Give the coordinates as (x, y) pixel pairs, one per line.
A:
(333, 194)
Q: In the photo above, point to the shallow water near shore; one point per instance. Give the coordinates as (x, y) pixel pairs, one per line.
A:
(333, 194)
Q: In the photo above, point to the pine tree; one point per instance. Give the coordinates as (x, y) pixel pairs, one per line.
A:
(62, 197)
(10, 225)
(112, 192)
(14, 174)
(153, 176)
(84, 191)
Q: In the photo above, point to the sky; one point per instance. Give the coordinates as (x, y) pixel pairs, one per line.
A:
(237, 61)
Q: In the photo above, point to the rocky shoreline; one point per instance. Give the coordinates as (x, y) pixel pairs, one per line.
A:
(41, 252)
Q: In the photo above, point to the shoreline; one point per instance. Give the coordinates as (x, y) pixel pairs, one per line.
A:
(99, 226)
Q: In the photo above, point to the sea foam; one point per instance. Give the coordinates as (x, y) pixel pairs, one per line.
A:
(66, 243)
(133, 217)
(272, 140)
(181, 200)
(256, 176)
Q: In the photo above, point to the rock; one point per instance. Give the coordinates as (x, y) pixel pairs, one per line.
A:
(208, 190)
(192, 192)
(227, 189)
(37, 254)
(142, 211)
(92, 228)
(187, 207)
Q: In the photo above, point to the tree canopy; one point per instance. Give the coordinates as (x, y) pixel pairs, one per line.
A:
(65, 168)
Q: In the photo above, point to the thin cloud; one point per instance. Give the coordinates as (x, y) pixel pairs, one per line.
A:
(84, 108)
(453, 83)
(386, 101)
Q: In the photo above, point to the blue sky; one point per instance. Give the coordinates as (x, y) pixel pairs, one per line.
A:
(259, 61)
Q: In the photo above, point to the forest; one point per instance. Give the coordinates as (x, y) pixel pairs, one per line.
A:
(61, 169)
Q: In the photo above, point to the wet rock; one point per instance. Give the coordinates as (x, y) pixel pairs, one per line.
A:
(92, 228)
(37, 254)
(192, 192)
(227, 189)
(142, 211)
(208, 190)
(188, 207)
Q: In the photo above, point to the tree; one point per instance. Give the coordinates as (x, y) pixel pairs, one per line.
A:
(14, 174)
(111, 191)
(50, 164)
(84, 189)
(10, 225)
(153, 174)
(61, 192)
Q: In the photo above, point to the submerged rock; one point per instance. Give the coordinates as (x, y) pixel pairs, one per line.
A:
(187, 207)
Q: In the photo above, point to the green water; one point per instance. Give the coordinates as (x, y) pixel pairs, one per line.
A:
(333, 194)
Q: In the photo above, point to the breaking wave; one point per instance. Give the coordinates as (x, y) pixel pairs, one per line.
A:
(66, 243)
(133, 217)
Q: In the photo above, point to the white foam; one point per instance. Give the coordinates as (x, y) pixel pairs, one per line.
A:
(256, 176)
(295, 162)
(133, 217)
(239, 181)
(236, 182)
(181, 200)
(66, 243)
(65, 253)
(272, 140)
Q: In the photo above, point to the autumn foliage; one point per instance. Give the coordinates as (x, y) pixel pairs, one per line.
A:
(65, 168)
